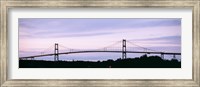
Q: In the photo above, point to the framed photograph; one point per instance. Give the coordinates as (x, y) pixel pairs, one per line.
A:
(93, 33)
(100, 43)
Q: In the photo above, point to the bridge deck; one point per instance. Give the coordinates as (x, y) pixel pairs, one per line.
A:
(165, 53)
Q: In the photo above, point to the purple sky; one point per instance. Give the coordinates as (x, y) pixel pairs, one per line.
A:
(39, 34)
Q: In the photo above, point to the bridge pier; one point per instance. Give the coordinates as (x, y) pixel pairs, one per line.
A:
(174, 56)
(32, 58)
(56, 56)
(123, 49)
(162, 55)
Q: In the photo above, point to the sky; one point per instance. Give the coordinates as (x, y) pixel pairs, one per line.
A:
(38, 35)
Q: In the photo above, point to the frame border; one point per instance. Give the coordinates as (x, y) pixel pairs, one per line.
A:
(5, 5)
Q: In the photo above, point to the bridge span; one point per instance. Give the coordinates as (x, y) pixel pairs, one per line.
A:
(42, 55)
(123, 51)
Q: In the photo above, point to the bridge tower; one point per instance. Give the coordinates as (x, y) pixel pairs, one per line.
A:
(56, 56)
(123, 49)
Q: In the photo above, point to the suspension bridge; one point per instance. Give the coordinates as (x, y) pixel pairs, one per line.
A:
(123, 50)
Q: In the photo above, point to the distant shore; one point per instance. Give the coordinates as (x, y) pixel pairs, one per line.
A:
(138, 62)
